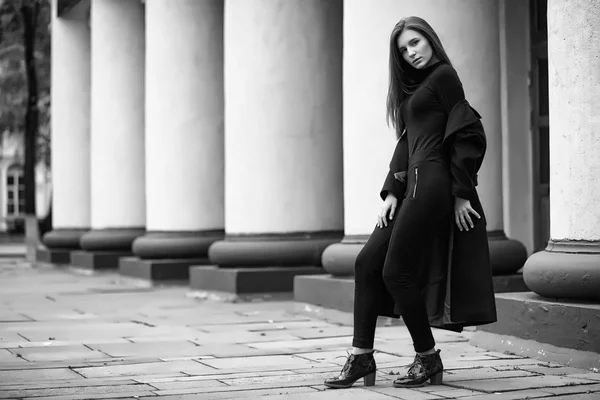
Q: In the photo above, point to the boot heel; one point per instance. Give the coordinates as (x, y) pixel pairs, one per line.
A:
(436, 379)
(370, 379)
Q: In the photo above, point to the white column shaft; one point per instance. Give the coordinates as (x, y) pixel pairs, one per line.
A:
(574, 99)
(283, 116)
(184, 115)
(117, 142)
(70, 123)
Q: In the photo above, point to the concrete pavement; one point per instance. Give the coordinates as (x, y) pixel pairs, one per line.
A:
(69, 335)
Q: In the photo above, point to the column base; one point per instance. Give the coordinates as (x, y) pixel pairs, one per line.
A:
(337, 292)
(59, 245)
(97, 260)
(64, 239)
(117, 240)
(339, 258)
(247, 280)
(175, 245)
(48, 256)
(507, 256)
(565, 270)
(547, 330)
(280, 250)
(159, 270)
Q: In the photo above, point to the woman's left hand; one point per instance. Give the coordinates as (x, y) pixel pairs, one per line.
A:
(462, 211)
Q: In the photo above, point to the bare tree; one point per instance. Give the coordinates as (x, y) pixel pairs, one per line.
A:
(29, 13)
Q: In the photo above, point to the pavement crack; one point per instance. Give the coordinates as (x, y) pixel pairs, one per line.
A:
(23, 337)
(143, 323)
(77, 372)
(51, 298)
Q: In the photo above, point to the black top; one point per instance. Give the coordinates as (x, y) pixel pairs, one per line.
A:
(425, 112)
(436, 116)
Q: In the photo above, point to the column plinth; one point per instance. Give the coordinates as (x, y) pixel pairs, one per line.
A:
(102, 248)
(262, 262)
(59, 244)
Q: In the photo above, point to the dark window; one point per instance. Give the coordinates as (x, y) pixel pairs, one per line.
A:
(542, 15)
(544, 155)
(543, 86)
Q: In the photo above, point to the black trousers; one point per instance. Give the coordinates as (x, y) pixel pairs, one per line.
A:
(396, 258)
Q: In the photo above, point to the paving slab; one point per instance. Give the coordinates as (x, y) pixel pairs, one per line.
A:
(265, 326)
(518, 383)
(38, 375)
(57, 353)
(75, 391)
(162, 348)
(186, 367)
(260, 362)
(591, 389)
(515, 395)
(96, 335)
(249, 394)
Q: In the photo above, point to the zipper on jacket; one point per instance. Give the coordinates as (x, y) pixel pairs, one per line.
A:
(416, 182)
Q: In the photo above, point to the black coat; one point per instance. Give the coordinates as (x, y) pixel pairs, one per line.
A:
(466, 297)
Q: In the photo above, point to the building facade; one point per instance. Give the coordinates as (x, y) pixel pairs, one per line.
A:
(250, 135)
(12, 185)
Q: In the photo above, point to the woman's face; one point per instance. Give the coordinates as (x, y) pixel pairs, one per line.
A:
(415, 49)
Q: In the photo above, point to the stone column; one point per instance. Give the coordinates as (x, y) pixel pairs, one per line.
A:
(570, 266)
(369, 143)
(118, 212)
(184, 138)
(283, 143)
(70, 127)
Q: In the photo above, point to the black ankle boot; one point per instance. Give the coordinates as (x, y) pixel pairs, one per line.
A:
(356, 367)
(423, 368)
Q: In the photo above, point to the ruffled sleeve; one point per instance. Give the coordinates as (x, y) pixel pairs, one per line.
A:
(465, 134)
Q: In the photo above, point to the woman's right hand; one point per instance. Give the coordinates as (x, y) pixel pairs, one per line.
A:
(388, 207)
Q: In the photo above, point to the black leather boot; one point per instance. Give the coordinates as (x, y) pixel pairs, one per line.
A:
(423, 368)
(356, 367)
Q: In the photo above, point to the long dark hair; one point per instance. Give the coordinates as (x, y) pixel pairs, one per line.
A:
(401, 83)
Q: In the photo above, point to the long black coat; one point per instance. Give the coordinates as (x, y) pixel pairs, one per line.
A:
(466, 296)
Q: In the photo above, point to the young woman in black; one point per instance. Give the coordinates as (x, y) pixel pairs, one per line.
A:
(428, 258)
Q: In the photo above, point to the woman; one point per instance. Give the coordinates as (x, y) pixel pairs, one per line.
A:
(428, 258)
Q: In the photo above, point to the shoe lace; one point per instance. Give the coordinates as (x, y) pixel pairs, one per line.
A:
(414, 366)
(349, 356)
